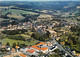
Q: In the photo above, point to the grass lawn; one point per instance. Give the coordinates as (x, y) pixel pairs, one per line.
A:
(11, 41)
(25, 35)
(30, 33)
(15, 11)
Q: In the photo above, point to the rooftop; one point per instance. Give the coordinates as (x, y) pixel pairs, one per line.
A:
(40, 46)
(22, 55)
(31, 51)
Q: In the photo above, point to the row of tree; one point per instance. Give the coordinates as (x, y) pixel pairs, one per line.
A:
(14, 32)
(41, 37)
(17, 37)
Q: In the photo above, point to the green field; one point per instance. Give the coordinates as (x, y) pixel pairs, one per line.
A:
(15, 11)
(11, 41)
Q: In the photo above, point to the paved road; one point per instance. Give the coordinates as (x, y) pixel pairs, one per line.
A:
(61, 47)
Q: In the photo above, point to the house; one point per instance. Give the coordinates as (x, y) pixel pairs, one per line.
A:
(40, 47)
(3, 46)
(62, 43)
(31, 51)
(44, 11)
(53, 48)
(44, 47)
(8, 48)
(22, 55)
(13, 50)
(51, 31)
(44, 50)
(23, 50)
(10, 25)
(78, 54)
(49, 44)
(50, 27)
(74, 52)
(57, 38)
(17, 47)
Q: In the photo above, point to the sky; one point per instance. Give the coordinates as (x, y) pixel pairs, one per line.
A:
(39, 0)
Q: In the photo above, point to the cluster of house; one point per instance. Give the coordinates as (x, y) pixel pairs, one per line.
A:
(40, 47)
(11, 52)
(39, 28)
(18, 26)
(45, 48)
(16, 54)
(28, 25)
(44, 28)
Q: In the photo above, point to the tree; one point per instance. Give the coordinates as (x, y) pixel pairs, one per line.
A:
(7, 44)
(41, 37)
(48, 34)
(33, 35)
(68, 56)
(18, 43)
(16, 56)
(54, 55)
(33, 29)
(14, 45)
(0, 42)
(33, 56)
(57, 51)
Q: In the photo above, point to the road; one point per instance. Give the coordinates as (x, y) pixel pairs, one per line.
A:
(61, 46)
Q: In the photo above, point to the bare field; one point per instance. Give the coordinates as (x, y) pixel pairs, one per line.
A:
(16, 16)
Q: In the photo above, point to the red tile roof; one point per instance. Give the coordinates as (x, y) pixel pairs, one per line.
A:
(22, 55)
(35, 46)
(13, 50)
(31, 51)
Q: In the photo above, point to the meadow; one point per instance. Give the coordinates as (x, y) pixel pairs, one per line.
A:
(17, 13)
(11, 41)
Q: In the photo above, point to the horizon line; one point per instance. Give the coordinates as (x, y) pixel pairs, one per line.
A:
(40, 1)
